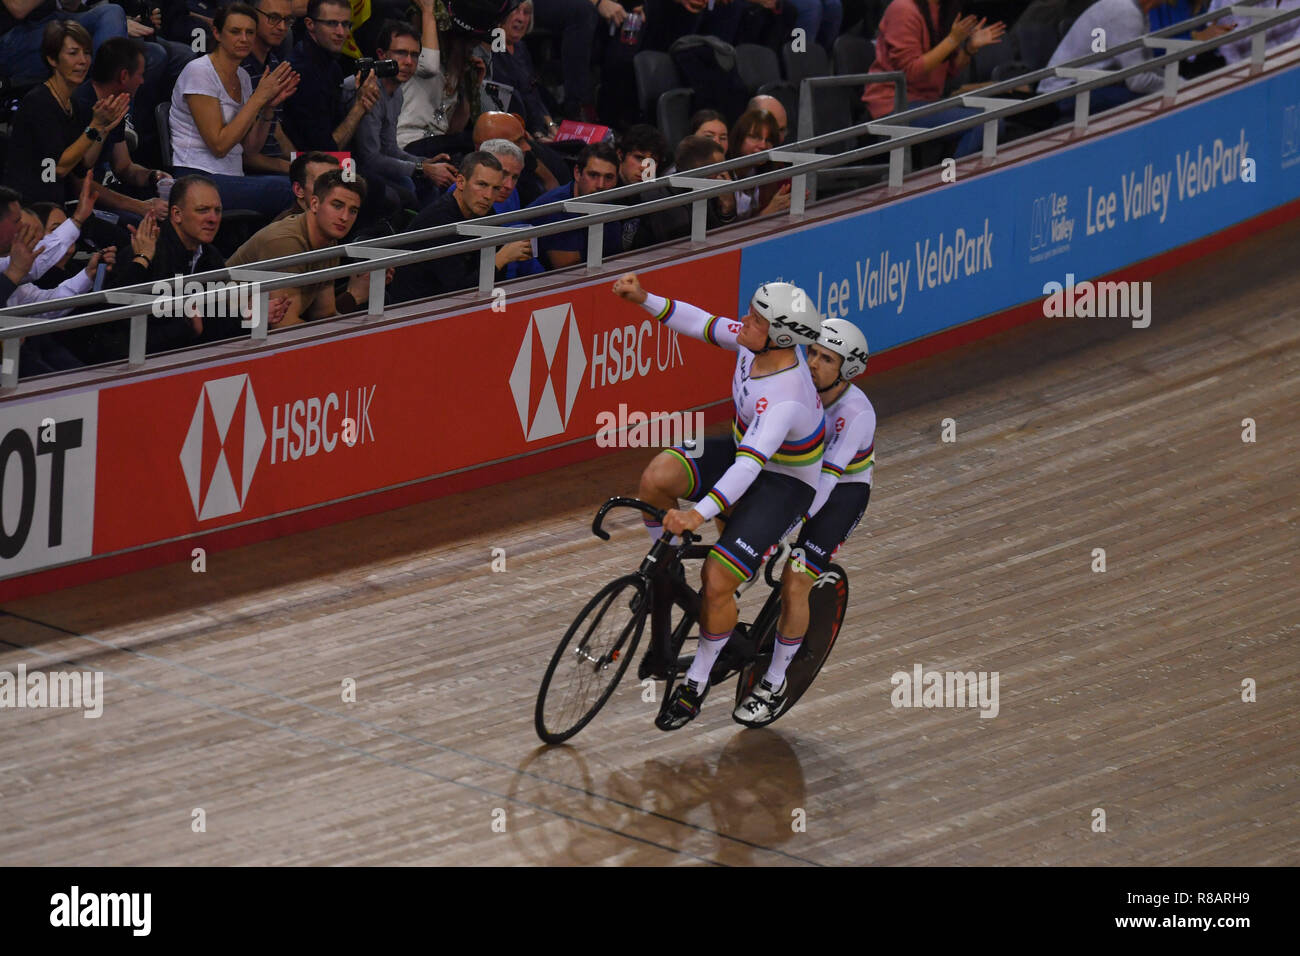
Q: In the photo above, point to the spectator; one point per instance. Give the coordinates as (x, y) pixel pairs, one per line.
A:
(17, 243)
(511, 158)
(217, 116)
(314, 117)
(513, 67)
(274, 19)
(772, 105)
(442, 97)
(906, 43)
(41, 354)
(754, 132)
(642, 152)
(54, 138)
(576, 23)
(596, 170)
(1240, 50)
(415, 178)
(51, 216)
(119, 68)
(712, 124)
(181, 245)
(22, 30)
(668, 224)
(335, 204)
(543, 169)
(58, 241)
(303, 173)
(1122, 21)
(478, 186)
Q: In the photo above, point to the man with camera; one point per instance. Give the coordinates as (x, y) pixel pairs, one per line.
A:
(379, 158)
(315, 117)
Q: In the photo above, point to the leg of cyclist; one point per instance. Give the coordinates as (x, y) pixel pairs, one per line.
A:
(668, 477)
(758, 521)
(813, 552)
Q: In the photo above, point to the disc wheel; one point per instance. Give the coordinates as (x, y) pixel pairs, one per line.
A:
(591, 659)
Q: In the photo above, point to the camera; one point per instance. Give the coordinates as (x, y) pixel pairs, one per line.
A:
(384, 69)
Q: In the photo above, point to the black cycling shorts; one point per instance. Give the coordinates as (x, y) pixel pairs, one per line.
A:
(767, 510)
(831, 526)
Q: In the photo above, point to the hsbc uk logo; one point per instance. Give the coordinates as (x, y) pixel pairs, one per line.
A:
(548, 372)
(222, 447)
(227, 436)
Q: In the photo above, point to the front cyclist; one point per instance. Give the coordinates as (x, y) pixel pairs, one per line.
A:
(773, 458)
(839, 356)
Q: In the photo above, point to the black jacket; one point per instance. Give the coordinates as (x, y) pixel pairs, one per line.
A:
(111, 342)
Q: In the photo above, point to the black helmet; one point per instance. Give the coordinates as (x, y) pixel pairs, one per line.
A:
(476, 17)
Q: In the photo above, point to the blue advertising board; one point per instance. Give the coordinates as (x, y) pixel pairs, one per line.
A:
(979, 246)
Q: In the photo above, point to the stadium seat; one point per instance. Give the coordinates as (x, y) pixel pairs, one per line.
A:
(852, 55)
(757, 66)
(656, 74)
(1036, 33)
(673, 112)
(811, 62)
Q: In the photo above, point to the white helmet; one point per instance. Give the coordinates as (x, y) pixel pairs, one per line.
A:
(794, 319)
(845, 339)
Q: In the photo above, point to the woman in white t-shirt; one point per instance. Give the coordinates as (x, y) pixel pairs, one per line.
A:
(216, 116)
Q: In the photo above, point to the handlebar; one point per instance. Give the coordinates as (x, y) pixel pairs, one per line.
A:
(624, 502)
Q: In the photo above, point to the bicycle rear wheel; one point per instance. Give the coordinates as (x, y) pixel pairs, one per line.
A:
(591, 659)
(826, 606)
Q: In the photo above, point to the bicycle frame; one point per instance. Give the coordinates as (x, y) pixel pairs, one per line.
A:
(668, 591)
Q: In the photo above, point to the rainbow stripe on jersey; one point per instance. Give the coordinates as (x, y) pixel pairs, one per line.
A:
(666, 313)
(802, 451)
(861, 461)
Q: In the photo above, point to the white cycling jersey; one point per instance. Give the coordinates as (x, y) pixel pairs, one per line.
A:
(778, 425)
(850, 444)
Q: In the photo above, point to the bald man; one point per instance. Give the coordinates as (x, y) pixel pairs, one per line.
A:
(773, 106)
(543, 170)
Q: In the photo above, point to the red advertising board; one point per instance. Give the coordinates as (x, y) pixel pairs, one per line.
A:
(189, 453)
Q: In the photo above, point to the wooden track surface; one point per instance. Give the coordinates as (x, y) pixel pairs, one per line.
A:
(1118, 690)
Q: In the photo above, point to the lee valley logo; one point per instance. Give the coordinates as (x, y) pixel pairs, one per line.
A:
(923, 688)
(82, 690)
(214, 300)
(103, 909)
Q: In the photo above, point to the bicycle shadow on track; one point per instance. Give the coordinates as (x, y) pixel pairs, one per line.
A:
(738, 807)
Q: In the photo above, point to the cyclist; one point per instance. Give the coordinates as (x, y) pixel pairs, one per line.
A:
(773, 458)
(839, 356)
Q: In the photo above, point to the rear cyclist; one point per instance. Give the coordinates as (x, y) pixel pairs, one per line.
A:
(773, 458)
(839, 356)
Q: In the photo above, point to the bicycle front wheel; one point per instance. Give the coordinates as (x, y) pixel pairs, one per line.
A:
(591, 659)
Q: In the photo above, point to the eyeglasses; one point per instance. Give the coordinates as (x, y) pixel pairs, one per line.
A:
(275, 19)
(334, 24)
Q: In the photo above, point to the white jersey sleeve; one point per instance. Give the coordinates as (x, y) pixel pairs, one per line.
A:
(687, 319)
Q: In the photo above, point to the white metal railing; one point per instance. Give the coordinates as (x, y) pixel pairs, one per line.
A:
(487, 234)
